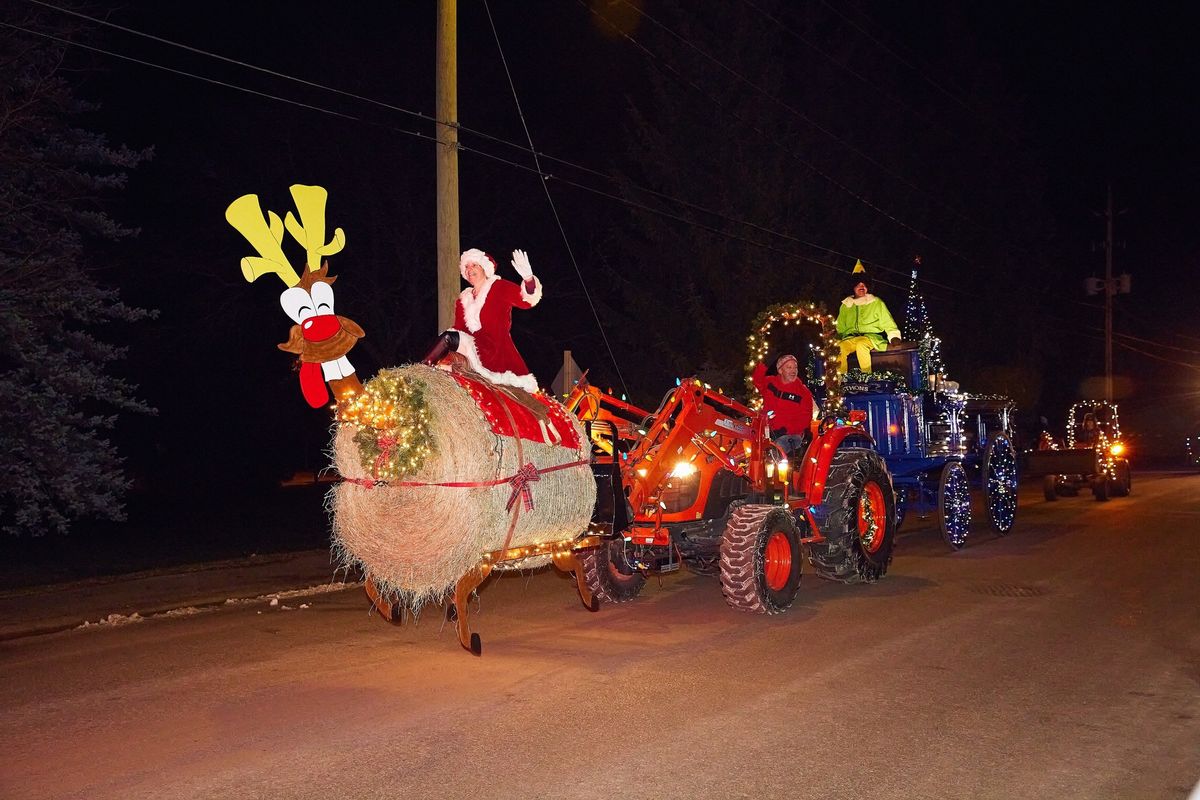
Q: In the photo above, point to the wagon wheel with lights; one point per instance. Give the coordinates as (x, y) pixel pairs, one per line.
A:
(999, 478)
(954, 504)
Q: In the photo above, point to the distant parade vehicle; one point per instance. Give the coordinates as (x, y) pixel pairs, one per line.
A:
(1092, 456)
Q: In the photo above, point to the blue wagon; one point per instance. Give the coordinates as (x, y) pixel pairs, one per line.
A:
(938, 443)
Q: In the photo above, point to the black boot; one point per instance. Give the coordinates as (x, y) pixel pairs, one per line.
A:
(446, 343)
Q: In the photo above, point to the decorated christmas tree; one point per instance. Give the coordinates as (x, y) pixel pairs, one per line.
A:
(917, 328)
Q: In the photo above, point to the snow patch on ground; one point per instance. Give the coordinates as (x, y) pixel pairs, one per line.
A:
(115, 619)
(273, 600)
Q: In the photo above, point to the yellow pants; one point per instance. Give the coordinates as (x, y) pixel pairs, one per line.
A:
(860, 345)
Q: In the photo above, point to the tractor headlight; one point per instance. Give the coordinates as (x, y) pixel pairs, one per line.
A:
(683, 469)
(1117, 449)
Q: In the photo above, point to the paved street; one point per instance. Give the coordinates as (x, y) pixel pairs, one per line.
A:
(1062, 661)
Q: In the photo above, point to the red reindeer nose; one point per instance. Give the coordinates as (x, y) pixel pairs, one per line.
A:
(318, 329)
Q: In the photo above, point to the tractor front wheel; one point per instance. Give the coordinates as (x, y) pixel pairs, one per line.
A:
(760, 559)
(608, 573)
(856, 518)
(1123, 484)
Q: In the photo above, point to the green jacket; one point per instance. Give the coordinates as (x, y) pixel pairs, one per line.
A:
(867, 316)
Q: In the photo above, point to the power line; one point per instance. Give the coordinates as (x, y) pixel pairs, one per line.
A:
(545, 187)
(814, 168)
(530, 150)
(966, 106)
(213, 81)
(482, 134)
(802, 116)
(434, 139)
(1157, 344)
(425, 117)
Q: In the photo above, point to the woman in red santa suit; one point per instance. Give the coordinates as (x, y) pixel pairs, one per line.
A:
(483, 319)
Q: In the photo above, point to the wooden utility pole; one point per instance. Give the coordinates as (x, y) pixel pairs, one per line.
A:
(446, 130)
(1109, 291)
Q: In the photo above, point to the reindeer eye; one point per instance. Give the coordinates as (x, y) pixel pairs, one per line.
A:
(322, 295)
(297, 304)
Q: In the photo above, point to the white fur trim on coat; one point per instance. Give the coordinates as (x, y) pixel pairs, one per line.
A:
(466, 347)
(473, 305)
(859, 301)
(534, 297)
(476, 256)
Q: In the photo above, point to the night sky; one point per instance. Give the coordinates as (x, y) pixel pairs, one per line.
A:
(1102, 94)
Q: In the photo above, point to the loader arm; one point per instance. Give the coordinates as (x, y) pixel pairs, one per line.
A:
(693, 422)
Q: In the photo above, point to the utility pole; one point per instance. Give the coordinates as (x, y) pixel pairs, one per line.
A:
(1108, 301)
(446, 132)
(1111, 287)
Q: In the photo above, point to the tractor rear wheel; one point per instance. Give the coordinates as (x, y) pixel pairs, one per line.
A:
(608, 573)
(857, 518)
(760, 559)
(1050, 487)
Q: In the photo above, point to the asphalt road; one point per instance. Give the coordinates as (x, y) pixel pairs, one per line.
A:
(1062, 661)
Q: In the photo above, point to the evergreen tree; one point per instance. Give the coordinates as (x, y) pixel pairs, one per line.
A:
(58, 399)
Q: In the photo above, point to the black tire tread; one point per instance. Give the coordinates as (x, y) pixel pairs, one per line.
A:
(841, 556)
(742, 557)
(600, 581)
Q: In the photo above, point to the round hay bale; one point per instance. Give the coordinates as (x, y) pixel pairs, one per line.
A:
(416, 541)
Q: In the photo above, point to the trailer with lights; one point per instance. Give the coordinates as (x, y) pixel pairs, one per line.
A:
(1094, 456)
(938, 443)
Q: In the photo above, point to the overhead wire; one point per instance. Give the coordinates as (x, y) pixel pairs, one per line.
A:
(697, 88)
(436, 140)
(800, 114)
(894, 99)
(811, 45)
(537, 154)
(554, 209)
(530, 150)
(432, 119)
(425, 117)
(883, 46)
(795, 156)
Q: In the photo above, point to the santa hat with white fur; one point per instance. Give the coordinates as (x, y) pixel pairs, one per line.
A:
(476, 256)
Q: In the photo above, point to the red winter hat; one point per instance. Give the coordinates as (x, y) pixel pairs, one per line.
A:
(476, 256)
(779, 362)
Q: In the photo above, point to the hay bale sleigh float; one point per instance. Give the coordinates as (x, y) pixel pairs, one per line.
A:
(441, 469)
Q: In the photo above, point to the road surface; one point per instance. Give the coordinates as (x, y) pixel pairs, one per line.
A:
(1060, 661)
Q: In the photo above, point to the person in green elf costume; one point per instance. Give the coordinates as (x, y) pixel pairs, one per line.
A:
(864, 323)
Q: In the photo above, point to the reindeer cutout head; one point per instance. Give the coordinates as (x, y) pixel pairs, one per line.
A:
(319, 336)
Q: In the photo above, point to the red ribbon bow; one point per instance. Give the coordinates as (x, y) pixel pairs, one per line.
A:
(385, 443)
(520, 483)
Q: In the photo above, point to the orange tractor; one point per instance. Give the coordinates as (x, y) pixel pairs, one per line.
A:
(699, 483)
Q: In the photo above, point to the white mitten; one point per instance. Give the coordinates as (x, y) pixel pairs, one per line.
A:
(520, 263)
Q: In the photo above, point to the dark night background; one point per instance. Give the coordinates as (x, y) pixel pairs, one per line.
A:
(982, 137)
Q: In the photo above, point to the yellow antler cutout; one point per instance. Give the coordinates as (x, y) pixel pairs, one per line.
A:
(309, 230)
(265, 234)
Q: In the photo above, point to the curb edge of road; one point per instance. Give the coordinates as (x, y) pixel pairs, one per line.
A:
(163, 609)
(253, 560)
